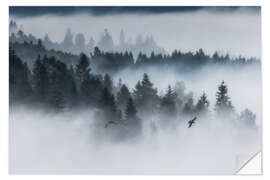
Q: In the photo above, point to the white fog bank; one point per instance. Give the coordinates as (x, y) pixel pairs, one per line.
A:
(42, 143)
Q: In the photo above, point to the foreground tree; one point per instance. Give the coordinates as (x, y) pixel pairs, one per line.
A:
(108, 106)
(133, 122)
(20, 88)
(123, 96)
(56, 98)
(41, 82)
(223, 104)
(145, 96)
(168, 104)
(90, 90)
(108, 83)
(202, 105)
(189, 108)
(82, 69)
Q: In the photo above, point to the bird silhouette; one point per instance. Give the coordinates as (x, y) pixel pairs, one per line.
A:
(191, 122)
(115, 123)
(110, 122)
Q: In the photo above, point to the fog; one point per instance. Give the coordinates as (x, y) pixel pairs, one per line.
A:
(70, 142)
(235, 32)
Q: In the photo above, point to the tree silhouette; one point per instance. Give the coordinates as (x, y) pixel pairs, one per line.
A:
(122, 96)
(108, 83)
(90, 90)
(189, 107)
(223, 104)
(145, 96)
(19, 84)
(82, 69)
(168, 104)
(202, 105)
(56, 97)
(40, 80)
(130, 111)
(108, 106)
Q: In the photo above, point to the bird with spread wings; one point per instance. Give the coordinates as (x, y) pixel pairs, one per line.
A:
(191, 122)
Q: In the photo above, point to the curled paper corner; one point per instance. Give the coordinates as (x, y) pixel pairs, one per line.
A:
(249, 164)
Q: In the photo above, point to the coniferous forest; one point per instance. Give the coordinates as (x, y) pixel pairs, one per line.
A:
(53, 85)
(111, 104)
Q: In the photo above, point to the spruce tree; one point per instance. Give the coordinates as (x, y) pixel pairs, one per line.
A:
(108, 106)
(56, 98)
(130, 111)
(108, 83)
(168, 104)
(133, 122)
(90, 90)
(189, 107)
(145, 96)
(123, 96)
(223, 104)
(19, 84)
(202, 105)
(40, 81)
(82, 69)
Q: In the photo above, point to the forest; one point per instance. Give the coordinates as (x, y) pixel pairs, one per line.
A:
(54, 86)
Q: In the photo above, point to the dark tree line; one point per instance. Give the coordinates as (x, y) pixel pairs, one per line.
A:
(115, 59)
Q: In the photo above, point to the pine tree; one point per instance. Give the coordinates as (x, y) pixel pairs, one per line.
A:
(40, 80)
(90, 90)
(168, 104)
(130, 111)
(108, 83)
(132, 121)
(108, 105)
(248, 118)
(19, 84)
(145, 96)
(202, 105)
(189, 107)
(82, 69)
(223, 104)
(123, 96)
(56, 97)
(57, 100)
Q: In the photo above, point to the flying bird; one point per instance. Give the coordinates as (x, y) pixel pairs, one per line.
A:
(191, 122)
(115, 123)
(110, 122)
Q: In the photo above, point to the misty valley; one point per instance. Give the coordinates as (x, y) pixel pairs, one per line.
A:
(129, 107)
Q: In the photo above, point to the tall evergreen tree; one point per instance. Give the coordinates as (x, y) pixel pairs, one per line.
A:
(40, 80)
(168, 104)
(20, 88)
(108, 105)
(134, 124)
(82, 69)
(130, 111)
(223, 104)
(56, 97)
(108, 83)
(248, 118)
(145, 96)
(189, 107)
(122, 96)
(90, 90)
(202, 105)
